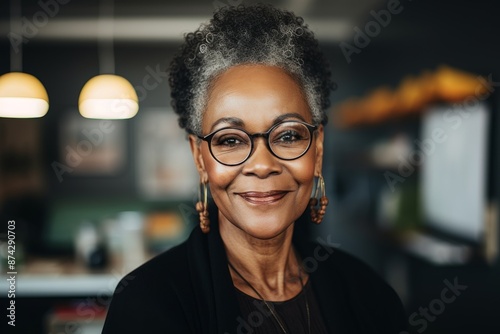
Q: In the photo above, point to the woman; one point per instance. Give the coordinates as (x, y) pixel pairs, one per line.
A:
(251, 88)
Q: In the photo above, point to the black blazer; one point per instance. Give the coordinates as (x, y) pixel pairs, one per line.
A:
(188, 289)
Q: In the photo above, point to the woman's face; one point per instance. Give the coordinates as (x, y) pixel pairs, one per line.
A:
(264, 195)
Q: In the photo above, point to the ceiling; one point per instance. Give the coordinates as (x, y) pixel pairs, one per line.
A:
(151, 20)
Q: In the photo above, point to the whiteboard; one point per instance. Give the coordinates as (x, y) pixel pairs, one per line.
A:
(454, 174)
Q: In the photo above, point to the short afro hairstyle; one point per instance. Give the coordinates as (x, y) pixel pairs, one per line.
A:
(255, 34)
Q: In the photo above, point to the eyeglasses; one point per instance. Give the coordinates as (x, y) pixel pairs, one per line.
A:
(287, 140)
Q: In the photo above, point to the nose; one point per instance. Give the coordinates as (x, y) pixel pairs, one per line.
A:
(261, 162)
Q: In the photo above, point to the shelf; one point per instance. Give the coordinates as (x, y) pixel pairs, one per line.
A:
(62, 286)
(438, 251)
(63, 278)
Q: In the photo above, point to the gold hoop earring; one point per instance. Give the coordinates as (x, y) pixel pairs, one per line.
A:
(319, 197)
(202, 207)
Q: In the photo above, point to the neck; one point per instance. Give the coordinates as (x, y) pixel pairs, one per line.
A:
(270, 266)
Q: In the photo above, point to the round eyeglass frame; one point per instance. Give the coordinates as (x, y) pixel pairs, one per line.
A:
(208, 139)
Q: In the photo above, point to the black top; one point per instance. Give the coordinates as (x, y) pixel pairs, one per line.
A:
(258, 319)
(188, 289)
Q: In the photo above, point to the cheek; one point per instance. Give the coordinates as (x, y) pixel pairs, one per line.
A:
(306, 166)
(305, 177)
(302, 171)
(219, 176)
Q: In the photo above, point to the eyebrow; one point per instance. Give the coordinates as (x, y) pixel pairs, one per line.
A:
(234, 121)
(229, 120)
(286, 116)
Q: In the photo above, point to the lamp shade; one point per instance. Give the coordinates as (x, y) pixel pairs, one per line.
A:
(22, 96)
(108, 96)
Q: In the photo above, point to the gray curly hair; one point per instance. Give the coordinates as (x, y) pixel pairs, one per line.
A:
(258, 34)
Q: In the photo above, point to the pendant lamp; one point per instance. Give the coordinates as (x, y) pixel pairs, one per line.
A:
(21, 94)
(107, 96)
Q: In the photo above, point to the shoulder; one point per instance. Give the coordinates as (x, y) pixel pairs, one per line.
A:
(157, 273)
(352, 267)
(149, 294)
(335, 260)
(374, 303)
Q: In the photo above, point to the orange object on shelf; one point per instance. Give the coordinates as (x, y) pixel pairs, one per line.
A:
(379, 104)
(412, 96)
(454, 85)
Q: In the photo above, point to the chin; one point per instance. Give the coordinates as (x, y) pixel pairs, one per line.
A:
(265, 229)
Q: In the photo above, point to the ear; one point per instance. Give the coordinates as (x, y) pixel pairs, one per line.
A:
(319, 151)
(195, 145)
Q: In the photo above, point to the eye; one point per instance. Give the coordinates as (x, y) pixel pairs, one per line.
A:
(229, 140)
(288, 136)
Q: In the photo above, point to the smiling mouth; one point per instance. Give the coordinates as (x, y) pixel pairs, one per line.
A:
(267, 197)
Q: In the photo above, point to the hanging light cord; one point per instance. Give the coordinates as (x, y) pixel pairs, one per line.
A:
(105, 38)
(16, 53)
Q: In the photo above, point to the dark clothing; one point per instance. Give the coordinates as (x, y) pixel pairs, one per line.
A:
(188, 289)
(292, 312)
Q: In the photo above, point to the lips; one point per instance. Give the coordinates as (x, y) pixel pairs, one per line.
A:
(268, 197)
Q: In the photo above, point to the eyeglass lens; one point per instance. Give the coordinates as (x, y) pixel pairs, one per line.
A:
(288, 141)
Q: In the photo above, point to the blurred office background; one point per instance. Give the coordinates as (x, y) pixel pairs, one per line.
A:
(410, 160)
